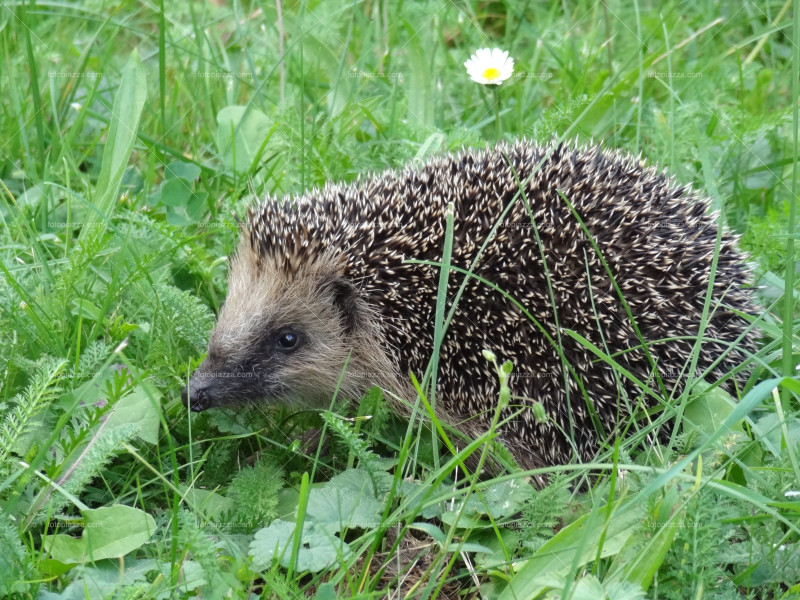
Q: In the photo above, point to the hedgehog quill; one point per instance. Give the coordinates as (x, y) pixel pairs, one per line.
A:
(323, 281)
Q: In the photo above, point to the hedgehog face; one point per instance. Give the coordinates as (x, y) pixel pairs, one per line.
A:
(278, 338)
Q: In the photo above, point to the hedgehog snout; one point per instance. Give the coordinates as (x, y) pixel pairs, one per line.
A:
(201, 393)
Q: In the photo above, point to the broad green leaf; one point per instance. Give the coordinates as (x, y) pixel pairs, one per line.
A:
(65, 548)
(241, 131)
(770, 433)
(572, 547)
(436, 534)
(500, 551)
(210, 503)
(178, 218)
(86, 309)
(411, 489)
(466, 520)
(128, 104)
(644, 552)
(752, 399)
(176, 192)
(327, 591)
(107, 579)
(191, 577)
(185, 170)
(141, 407)
(52, 568)
(623, 590)
(708, 411)
(196, 205)
(109, 532)
(588, 588)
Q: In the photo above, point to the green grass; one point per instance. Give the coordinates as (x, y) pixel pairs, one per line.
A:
(130, 136)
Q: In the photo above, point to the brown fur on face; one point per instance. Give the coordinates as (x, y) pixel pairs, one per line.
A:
(315, 302)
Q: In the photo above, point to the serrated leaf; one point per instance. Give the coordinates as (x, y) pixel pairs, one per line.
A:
(588, 588)
(505, 498)
(317, 549)
(345, 501)
(354, 481)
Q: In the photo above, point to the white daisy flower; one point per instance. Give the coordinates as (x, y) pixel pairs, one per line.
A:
(490, 66)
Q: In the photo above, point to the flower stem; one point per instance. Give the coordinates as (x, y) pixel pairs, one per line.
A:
(498, 130)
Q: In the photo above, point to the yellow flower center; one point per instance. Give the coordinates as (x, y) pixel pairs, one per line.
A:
(491, 74)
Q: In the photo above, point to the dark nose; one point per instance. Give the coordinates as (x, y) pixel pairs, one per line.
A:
(199, 398)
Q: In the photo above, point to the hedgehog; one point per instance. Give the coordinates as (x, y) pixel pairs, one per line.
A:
(335, 291)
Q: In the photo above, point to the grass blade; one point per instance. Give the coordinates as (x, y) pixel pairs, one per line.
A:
(128, 105)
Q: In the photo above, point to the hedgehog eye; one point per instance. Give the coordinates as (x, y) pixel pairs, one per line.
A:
(288, 341)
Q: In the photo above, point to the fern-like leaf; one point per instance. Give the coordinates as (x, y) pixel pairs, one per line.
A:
(92, 359)
(15, 567)
(91, 460)
(183, 323)
(41, 391)
(368, 460)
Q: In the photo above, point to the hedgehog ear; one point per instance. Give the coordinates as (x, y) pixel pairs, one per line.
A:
(346, 299)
